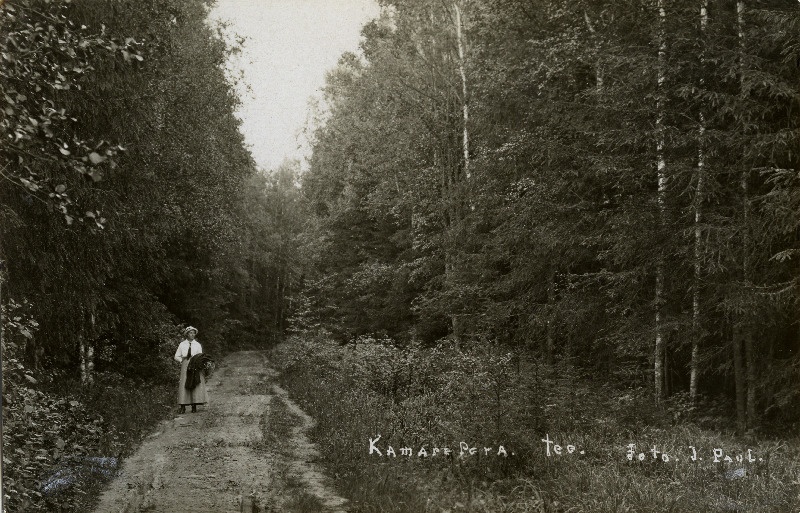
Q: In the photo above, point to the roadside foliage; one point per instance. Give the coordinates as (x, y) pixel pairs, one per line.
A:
(129, 206)
(519, 216)
(628, 199)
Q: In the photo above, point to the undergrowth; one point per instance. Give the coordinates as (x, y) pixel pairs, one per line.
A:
(425, 398)
(62, 441)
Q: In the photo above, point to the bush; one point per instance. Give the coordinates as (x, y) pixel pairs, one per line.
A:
(63, 441)
(487, 396)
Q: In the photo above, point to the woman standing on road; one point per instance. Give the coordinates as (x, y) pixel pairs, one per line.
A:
(186, 349)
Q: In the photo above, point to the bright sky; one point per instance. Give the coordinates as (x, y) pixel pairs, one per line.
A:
(289, 46)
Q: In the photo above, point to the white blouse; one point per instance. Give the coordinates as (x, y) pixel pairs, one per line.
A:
(183, 350)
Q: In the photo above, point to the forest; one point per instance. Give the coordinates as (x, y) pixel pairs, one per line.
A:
(519, 217)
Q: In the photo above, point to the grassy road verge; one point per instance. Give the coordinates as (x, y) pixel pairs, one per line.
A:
(422, 399)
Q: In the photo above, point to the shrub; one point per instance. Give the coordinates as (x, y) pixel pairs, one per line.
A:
(416, 396)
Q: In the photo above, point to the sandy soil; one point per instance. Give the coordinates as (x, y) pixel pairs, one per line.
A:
(219, 459)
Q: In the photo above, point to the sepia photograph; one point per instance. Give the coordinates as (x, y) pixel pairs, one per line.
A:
(400, 256)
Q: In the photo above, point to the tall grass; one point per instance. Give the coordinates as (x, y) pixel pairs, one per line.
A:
(436, 397)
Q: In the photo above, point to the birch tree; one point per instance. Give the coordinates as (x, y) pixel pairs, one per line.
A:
(661, 171)
(694, 364)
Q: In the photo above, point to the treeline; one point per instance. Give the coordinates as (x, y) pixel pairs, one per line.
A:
(130, 203)
(614, 183)
(129, 206)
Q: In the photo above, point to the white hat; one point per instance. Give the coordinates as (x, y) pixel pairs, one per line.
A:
(188, 329)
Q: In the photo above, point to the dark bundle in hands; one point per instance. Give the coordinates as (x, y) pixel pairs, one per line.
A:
(198, 363)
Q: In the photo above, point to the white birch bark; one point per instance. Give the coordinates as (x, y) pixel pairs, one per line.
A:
(87, 355)
(464, 103)
(457, 319)
(598, 49)
(89, 364)
(661, 167)
(82, 349)
(2, 316)
(694, 372)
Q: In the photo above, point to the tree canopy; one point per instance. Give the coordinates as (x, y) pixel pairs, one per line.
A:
(130, 206)
(628, 197)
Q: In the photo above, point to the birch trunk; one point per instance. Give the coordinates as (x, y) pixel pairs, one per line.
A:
(667, 369)
(598, 62)
(694, 372)
(82, 349)
(87, 354)
(2, 315)
(89, 364)
(457, 319)
(661, 165)
(276, 318)
(464, 103)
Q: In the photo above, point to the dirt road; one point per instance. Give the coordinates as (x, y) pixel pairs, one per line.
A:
(246, 451)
